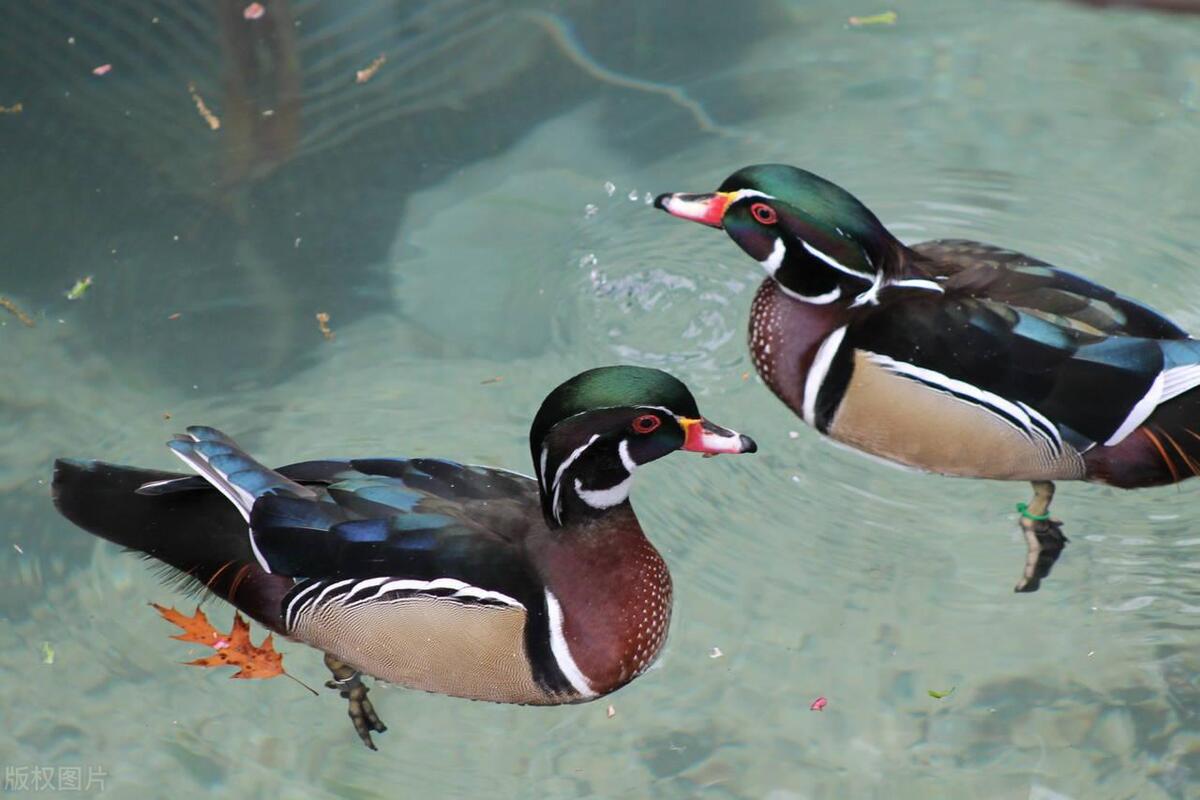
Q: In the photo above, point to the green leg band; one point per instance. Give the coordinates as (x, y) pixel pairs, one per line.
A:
(1023, 510)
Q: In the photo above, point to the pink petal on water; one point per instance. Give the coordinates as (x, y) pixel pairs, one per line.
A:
(818, 704)
(103, 69)
(254, 11)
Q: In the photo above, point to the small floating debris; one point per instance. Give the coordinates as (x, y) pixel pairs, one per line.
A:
(364, 75)
(15, 310)
(939, 695)
(886, 18)
(494, 379)
(612, 712)
(17, 547)
(715, 653)
(254, 11)
(214, 122)
(47, 653)
(15, 108)
(323, 325)
(818, 704)
(101, 70)
(80, 288)
(175, 316)
(166, 415)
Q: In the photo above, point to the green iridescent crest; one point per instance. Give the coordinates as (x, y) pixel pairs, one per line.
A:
(612, 387)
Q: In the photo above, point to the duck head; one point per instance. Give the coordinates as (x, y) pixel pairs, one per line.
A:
(819, 243)
(593, 432)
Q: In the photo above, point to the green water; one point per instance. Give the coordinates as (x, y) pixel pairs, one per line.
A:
(475, 249)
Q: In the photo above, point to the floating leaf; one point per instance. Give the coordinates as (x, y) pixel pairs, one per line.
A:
(886, 18)
(936, 695)
(234, 649)
(80, 288)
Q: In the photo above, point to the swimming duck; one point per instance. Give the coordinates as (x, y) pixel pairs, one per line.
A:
(954, 356)
(465, 580)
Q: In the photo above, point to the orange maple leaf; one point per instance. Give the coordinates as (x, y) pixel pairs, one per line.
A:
(234, 649)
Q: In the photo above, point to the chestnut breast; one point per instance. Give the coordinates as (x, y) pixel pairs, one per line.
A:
(615, 593)
(784, 336)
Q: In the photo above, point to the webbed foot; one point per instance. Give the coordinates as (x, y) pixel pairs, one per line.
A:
(1044, 538)
(348, 682)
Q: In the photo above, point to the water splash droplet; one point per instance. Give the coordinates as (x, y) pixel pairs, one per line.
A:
(633, 195)
(609, 188)
(589, 260)
(590, 210)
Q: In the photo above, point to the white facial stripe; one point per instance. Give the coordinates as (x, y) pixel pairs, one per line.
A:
(628, 462)
(542, 464)
(817, 299)
(870, 295)
(918, 283)
(817, 372)
(562, 652)
(601, 499)
(773, 262)
(833, 262)
(557, 504)
(742, 194)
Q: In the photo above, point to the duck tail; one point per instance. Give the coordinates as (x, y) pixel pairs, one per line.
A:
(185, 525)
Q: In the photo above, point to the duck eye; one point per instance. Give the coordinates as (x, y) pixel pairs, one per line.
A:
(764, 213)
(646, 423)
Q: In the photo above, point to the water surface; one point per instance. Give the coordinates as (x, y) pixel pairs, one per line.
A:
(488, 237)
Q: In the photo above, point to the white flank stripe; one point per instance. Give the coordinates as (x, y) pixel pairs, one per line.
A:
(289, 615)
(331, 587)
(460, 588)
(1024, 424)
(562, 653)
(1050, 433)
(362, 586)
(818, 371)
(1142, 409)
(604, 498)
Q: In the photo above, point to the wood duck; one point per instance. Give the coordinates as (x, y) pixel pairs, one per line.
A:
(953, 356)
(465, 580)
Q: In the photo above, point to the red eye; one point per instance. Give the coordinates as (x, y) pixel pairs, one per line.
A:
(646, 423)
(764, 213)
